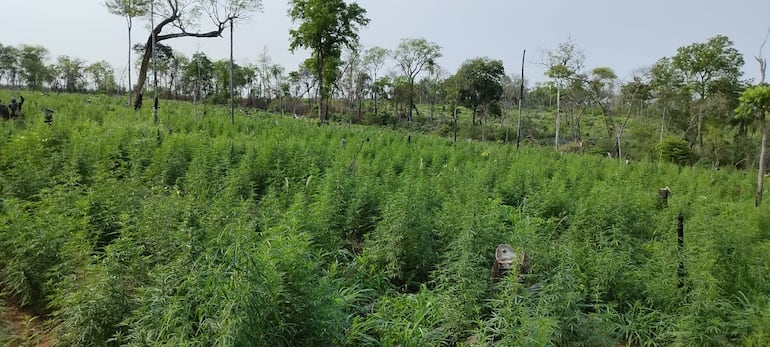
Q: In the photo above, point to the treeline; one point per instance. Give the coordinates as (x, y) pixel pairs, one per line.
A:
(682, 105)
(30, 66)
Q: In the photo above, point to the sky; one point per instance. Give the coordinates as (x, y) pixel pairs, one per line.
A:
(620, 34)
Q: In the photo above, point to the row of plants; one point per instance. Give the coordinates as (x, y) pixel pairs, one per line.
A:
(277, 231)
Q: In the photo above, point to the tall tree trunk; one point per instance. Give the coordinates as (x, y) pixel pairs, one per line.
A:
(411, 99)
(130, 24)
(521, 98)
(320, 90)
(360, 100)
(455, 123)
(700, 129)
(763, 123)
(232, 85)
(483, 122)
(432, 107)
(154, 40)
(558, 116)
(663, 123)
(142, 78)
(375, 103)
(762, 155)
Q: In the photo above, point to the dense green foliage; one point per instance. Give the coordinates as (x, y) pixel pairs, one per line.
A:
(325, 27)
(278, 232)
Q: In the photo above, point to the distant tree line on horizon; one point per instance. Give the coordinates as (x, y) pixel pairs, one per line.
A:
(687, 101)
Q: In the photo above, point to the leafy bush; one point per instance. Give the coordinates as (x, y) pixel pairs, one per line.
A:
(675, 150)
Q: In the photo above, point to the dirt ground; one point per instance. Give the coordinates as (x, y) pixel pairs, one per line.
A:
(24, 329)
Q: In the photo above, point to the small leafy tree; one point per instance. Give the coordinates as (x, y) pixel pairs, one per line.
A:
(9, 64)
(563, 64)
(70, 72)
(102, 76)
(482, 84)
(374, 59)
(33, 68)
(709, 69)
(412, 56)
(325, 27)
(198, 75)
(755, 104)
(675, 150)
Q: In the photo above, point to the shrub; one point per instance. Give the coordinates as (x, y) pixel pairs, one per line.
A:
(675, 150)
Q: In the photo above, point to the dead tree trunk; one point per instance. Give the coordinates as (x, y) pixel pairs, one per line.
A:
(142, 78)
(763, 124)
(175, 14)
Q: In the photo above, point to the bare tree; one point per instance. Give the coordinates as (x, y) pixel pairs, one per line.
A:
(181, 17)
(761, 60)
(760, 114)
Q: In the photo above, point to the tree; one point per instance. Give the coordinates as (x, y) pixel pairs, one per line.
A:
(514, 88)
(325, 27)
(9, 64)
(563, 64)
(302, 83)
(638, 91)
(451, 87)
(412, 55)
(481, 84)
(175, 71)
(198, 75)
(183, 16)
(374, 60)
(70, 72)
(709, 69)
(354, 79)
(34, 71)
(221, 81)
(600, 85)
(102, 75)
(276, 88)
(432, 83)
(755, 104)
(666, 85)
(129, 9)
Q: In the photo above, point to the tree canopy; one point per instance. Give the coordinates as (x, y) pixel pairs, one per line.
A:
(412, 55)
(481, 83)
(325, 27)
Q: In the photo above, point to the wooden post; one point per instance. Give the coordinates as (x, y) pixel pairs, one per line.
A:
(154, 63)
(680, 248)
(521, 97)
(663, 195)
(232, 85)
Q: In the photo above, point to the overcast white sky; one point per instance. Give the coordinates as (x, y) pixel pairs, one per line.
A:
(624, 35)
